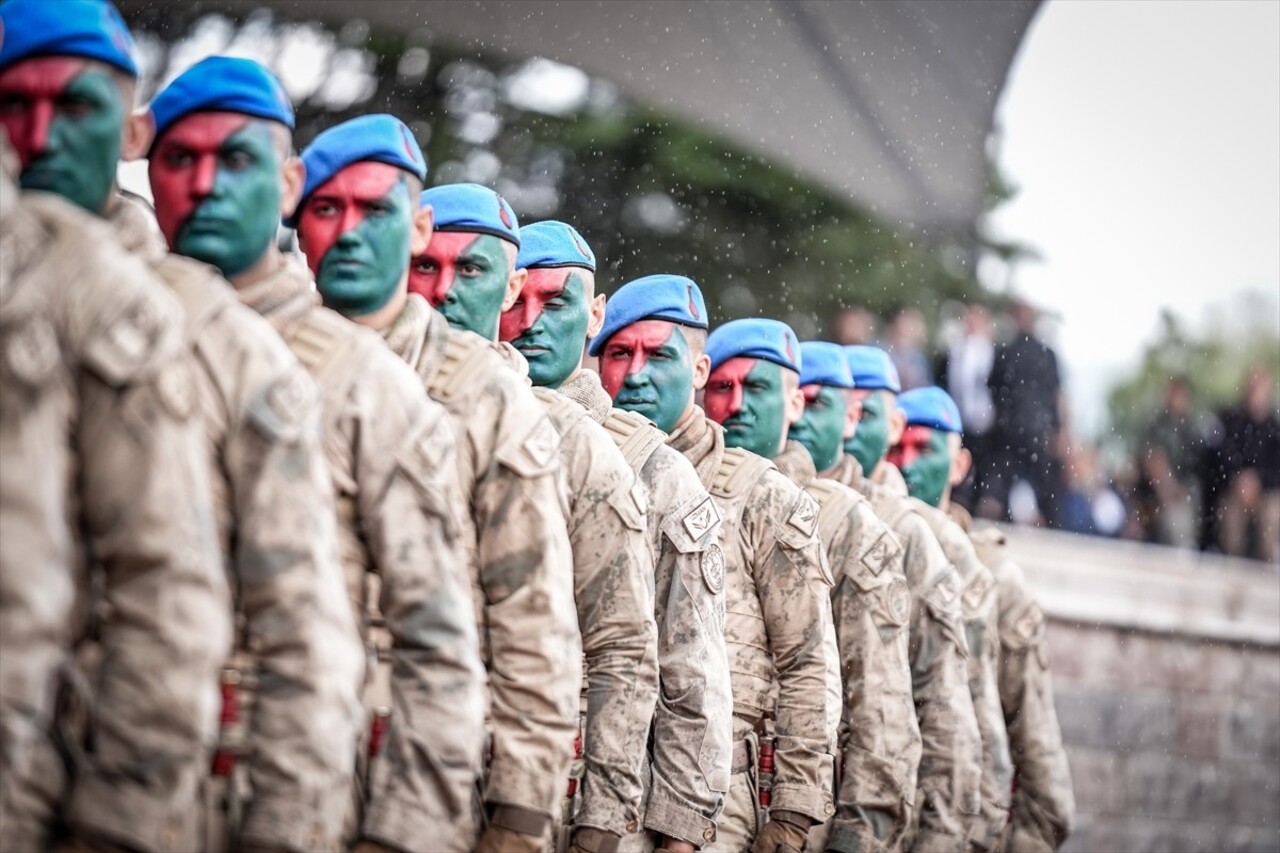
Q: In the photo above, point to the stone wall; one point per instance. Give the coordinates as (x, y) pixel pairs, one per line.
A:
(1167, 677)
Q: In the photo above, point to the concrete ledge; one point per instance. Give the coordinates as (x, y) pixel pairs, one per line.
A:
(1127, 585)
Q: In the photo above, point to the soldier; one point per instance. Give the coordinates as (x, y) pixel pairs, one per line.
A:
(924, 456)
(1043, 802)
(777, 582)
(612, 564)
(359, 246)
(556, 312)
(221, 157)
(106, 507)
(951, 761)
(761, 383)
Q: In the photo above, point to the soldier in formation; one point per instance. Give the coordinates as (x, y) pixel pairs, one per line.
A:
(352, 551)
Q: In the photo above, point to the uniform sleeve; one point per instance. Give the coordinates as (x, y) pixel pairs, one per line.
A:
(612, 567)
(1043, 802)
(149, 524)
(298, 625)
(947, 786)
(792, 580)
(881, 748)
(526, 579)
(693, 726)
(421, 788)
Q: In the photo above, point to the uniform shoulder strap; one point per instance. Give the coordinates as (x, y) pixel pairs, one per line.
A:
(328, 348)
(563, 411)
(634, 435)
(738, 470)
(462, 360)
(204, 294)
(836, 502)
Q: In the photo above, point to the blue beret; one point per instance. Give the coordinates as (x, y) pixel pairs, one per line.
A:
(552, 244)
(473, 209)
(92, 29)
(872, 369)
(379, 138)
(222, 84)
(771, 340)
(931, 407)
(824, 364)
(654, 297)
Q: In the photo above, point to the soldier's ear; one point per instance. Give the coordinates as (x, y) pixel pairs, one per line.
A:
(701, 371)
(293, 177)
(515, 284)
(961, 462)
(424, 223)
(897, 423)
(792, 404)
(852, 414)
(139, 132)
(595, 322)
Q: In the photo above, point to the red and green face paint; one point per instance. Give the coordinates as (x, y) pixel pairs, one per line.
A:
(356, 230)
(870, 442)
(747, 397)
(924, 457)
(548, 323)
(465, 276)
(647, 368)
(65, 117)
(216, 181)
(821, 427)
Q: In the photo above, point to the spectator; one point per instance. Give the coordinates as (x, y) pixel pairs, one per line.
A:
(1170, 461)
(1090, 504)
(964, 370)
(854, 325)
(905, 340)
(1250, 458)
(1026, 389)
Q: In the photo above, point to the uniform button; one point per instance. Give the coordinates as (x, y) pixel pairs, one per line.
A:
(828, 809)
(632, 826)
(709, 834)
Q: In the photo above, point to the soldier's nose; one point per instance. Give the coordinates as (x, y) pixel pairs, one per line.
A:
(40, 130)
(442, 290)
(206, 176)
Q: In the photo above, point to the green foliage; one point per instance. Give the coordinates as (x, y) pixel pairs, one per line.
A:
(1233, 336)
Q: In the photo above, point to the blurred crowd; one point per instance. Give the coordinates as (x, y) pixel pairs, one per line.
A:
(1194, 478)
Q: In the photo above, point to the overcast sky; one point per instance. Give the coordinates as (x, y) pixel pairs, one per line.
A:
(1145, 137)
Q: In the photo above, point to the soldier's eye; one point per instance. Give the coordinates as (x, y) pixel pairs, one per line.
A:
(237, 160)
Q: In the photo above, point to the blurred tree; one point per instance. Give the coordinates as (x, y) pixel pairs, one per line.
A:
(650, 193)
(1235, 334)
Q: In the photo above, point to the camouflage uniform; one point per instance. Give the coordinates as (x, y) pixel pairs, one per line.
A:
(97, 382)
(979, 606)
(691, 746)
(950, 765)
(520, 560)
(296, 641)
(391, 456)
(871, 605)
(1043, 802)
(777, 593)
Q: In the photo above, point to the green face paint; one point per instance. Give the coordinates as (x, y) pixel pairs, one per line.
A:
(548, 324)
(66, 120)
(465, 277)
(821, 428)
(747, 397)
(925, 460)
(647, 368)
(870, 442)
(356, 230)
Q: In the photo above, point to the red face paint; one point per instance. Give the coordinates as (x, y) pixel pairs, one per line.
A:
(629, 349)
(811, 393)
(433, 273)
(723, 396)
(184, 165)
(540, 287)
(340, 205)
(915, 442)
(29, 101)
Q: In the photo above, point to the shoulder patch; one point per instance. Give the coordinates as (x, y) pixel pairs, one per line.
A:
(805, 515)
(176, 388)
(949, 587)
(713, 568)
(282, 407)
(975, 591)
(878, 554)
(701, 518)
(898, 602)
(1028, 625)
(32, 351)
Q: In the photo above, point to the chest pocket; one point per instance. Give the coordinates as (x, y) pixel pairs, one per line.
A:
(425, 461)
(532, 453)
(631, 505)
(942, 601)
(281, 409)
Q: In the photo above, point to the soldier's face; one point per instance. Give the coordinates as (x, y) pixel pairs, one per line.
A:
(217, 188)
(870, 441)
(747, 397)
(821, 428)
(65, 117)
(924, 458)
(466, 277)
(356, 230)
(548, 323)
(648, 368)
